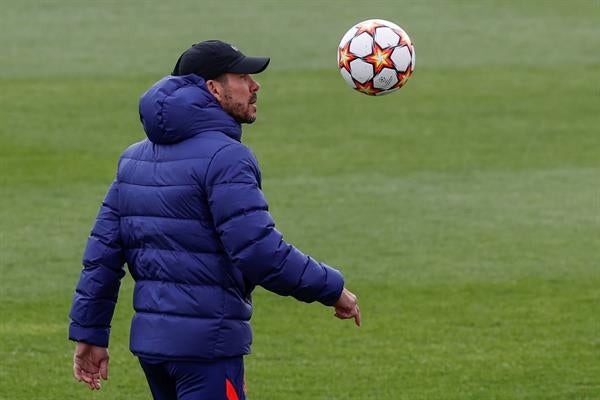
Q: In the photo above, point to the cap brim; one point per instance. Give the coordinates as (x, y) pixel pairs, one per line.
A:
(250, 65)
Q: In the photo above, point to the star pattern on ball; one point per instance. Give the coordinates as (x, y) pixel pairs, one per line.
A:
(381, 58)
(368, 27)
(404, 41)
(402, 78)
(367, 88)
(345, 56)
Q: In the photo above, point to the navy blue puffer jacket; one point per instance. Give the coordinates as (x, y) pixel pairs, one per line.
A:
(187, 214)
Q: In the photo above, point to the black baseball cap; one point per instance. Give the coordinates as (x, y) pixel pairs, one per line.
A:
(212, 58)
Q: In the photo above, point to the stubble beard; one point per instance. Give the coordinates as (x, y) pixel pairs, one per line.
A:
(239, 111)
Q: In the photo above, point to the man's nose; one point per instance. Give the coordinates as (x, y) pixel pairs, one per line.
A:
(255, 86)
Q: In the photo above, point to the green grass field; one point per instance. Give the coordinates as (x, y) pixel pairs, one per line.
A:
(464, 210)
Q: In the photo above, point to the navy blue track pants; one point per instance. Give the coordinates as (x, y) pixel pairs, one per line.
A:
(221, 379)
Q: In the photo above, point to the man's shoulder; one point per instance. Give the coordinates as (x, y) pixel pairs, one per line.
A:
(234, 151)
(233, 160)
(221, 147)
(135, 148)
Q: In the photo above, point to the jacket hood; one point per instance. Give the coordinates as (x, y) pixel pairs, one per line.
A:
(179, 107)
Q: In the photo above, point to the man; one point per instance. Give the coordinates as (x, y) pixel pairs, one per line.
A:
(187, 214)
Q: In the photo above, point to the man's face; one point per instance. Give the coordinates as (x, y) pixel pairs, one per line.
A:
(237, 95)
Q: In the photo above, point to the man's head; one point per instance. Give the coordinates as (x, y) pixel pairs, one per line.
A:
(226, 71)
(237, 95)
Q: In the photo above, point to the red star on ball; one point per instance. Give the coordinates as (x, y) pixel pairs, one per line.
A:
(380, 58)
(367, 88)
(345, 57)
(369, 27)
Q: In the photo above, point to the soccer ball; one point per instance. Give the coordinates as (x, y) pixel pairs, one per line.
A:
(376, 57)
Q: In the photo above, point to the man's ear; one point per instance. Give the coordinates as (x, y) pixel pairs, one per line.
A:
(215, 88)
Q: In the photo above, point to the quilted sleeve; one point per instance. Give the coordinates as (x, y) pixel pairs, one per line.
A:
(96, 293)
(247, 232)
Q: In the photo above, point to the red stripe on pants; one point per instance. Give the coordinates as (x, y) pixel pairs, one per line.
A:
(231, 394)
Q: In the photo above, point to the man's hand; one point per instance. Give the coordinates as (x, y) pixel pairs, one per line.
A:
(90, 363)
(347, 307)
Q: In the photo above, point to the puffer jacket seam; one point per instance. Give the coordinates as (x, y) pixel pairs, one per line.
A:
(146, 185)
(219, 339)
(231, 182)
(204, 185)
(183, 315)
(184, 283)
(252, 242)
(84, 295)
(244, 213)
(90, 326)
(104, 242)
(296, 288)
(165, 161)
(177, 251)
(195, 219)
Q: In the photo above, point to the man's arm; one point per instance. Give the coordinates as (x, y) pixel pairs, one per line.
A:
(96, 293)
(247, 231)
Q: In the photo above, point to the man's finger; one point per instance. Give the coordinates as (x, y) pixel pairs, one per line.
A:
(357, 316)
(77, 372)
(104, 369)
(85, 376)
(93, 384)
